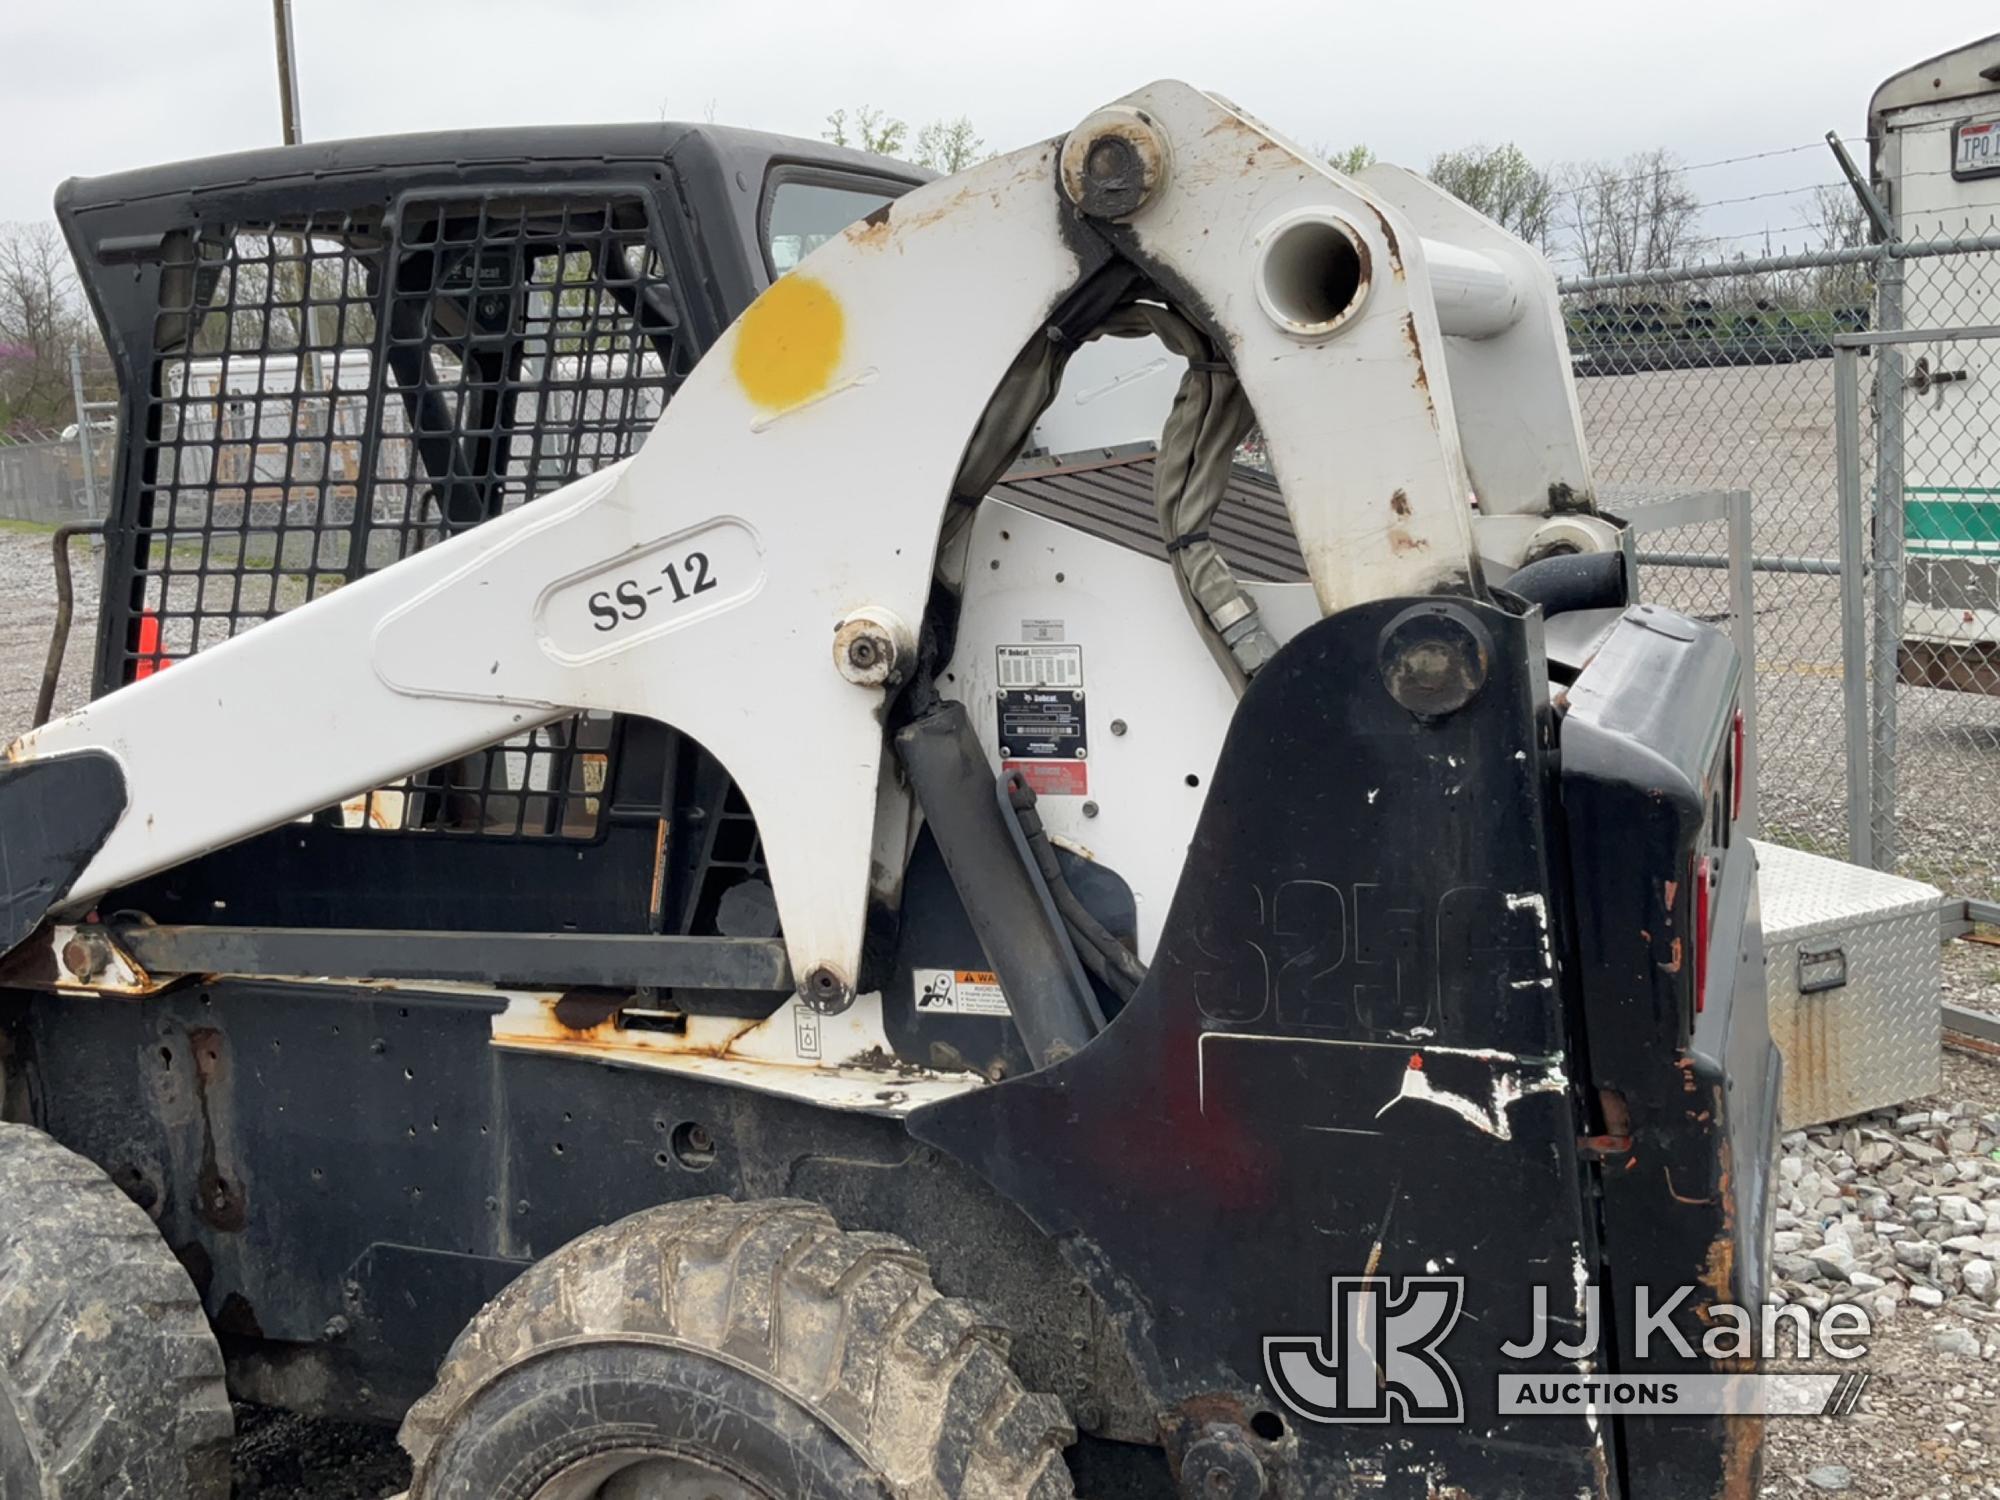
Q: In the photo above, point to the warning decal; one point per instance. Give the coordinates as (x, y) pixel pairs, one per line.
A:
(1052, 778)
(805, 1030)
(959, 992)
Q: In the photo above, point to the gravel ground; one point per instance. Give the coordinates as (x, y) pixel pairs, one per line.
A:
(1894, 1209)
(27, 614)
(1899, 1211)
(284, 1457)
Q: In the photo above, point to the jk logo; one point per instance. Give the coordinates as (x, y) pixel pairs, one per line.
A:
(1381, 1359)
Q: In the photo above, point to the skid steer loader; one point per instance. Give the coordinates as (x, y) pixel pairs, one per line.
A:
(740, 926)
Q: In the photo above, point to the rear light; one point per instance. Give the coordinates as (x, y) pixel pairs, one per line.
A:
(1736, 768)
(1703, 873)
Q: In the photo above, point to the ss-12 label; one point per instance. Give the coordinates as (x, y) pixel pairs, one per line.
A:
(662, 586)
(632, 598)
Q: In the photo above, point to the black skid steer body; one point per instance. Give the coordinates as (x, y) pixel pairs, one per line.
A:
(1453, 1023)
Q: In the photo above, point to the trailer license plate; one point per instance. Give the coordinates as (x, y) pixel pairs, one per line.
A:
(1976, 149)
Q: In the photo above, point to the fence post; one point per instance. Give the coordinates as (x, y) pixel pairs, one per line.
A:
(1888, 558)
(1743, 626)
(84, 447)
(1853, 603)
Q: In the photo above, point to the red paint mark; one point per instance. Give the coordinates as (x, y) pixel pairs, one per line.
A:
(1703, 880)
(1736, 767)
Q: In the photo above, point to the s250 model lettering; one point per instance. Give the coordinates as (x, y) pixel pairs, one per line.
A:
(631, 598)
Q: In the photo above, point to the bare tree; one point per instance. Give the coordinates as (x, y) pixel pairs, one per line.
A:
(866, 129)
(42, 315)
(1634, 215)
(949, 145)
(1502, 183)
(1835, 214)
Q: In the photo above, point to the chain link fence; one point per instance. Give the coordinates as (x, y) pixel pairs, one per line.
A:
(1932, 462)
(1876, 538)
(45, 478)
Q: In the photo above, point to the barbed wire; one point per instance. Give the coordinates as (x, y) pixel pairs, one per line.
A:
(1769, 230)
(1584, 228)
(1600, 183)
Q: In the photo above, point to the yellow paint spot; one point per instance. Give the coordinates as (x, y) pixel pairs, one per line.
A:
(789, 342)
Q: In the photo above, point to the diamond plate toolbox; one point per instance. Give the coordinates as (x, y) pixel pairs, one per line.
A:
(1856, 975)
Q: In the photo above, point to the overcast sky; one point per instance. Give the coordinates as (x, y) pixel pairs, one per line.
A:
(97, 85)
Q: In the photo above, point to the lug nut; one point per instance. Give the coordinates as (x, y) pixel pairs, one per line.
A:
(1220, 1465)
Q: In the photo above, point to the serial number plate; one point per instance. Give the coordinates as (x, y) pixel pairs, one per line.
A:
(653, 589)
(1976, 149)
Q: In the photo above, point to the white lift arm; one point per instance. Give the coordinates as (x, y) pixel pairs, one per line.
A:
(792, 494)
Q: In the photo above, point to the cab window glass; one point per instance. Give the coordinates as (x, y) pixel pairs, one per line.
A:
(805, 215)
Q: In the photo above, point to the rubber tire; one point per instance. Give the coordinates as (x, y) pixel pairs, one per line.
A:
(111, 1384)
(760, 1336)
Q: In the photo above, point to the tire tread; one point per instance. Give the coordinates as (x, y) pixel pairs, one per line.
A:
(106, 1356)
(847, 1323)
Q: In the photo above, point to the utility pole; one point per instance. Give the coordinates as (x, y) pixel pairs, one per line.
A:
(288, 114)
(288, 71)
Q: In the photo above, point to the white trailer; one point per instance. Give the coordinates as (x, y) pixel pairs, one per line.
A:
(1934, 136)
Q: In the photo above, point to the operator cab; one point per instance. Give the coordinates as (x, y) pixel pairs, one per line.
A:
(335, 355)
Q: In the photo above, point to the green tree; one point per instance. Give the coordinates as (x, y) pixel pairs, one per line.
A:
(1347, 160)
(866, 129)
(1502, 183)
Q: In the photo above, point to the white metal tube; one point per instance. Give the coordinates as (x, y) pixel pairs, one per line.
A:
(1475, 294)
